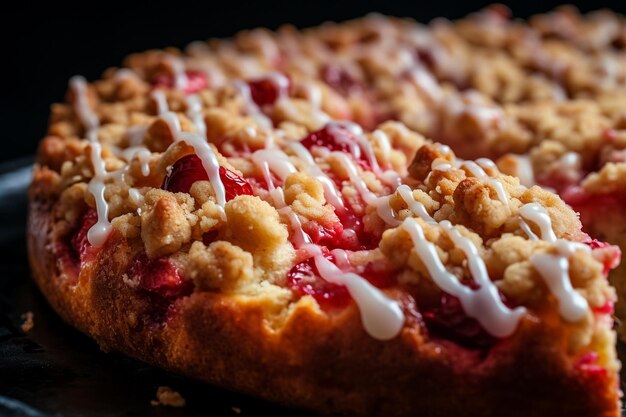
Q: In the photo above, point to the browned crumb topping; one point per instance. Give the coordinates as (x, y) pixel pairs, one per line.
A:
(493, 90)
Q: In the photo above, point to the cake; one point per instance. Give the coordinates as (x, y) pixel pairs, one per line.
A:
(356, 219)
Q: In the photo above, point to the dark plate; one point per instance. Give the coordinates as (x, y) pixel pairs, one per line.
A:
(56, 371)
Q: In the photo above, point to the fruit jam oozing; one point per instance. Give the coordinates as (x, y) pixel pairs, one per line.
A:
(336, 138)
(266, 91)
(589, 368)
(196, 81)
(449, 321)
(304, 279)
(81, 249)
(189, 169)
(161, 283)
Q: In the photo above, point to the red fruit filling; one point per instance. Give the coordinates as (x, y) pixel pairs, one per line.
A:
(79, 242)
(189, 169)
(158, 276)
(356, 237)
(610, 257)
(304, 279)
(329, 236)
(587, 365)
(196, 81)
(339, 79)
(74, 250)
(449, 321)
(593, 205)
(337, 138)
(333, 138)
(266, 91)
(160, 282)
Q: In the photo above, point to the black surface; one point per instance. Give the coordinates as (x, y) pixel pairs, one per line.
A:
(45, 44)
(56, 371)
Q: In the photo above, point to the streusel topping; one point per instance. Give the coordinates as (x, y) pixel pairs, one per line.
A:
(295, 164)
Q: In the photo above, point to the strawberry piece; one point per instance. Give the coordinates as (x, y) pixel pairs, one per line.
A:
(189, 169)
(330, 237)
(361, 239)
(608, 254)
(196, 81)
(79, 242)
(379, 275)
(449, 321)
(606, 308)
(265, 91)
(304, 279)
(335, 138)
(158, 276)
(587, 365)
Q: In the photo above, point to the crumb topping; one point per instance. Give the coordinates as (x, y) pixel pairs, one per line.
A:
(311, 165)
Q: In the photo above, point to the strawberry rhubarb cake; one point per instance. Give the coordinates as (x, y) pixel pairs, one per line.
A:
(350, 219)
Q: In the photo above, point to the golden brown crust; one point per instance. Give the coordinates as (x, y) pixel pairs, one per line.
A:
(314, 362)
(225, 310)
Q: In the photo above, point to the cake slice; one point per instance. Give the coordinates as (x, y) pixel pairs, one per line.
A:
(249, 215)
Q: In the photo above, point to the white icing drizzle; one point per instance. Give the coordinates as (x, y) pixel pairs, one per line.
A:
(298, 236)
(136, 134)
(385, 211)
(209, 162)
(427, 84)
(483, 304)
(367, 196)
(363, 146)
(136, 198)
(335, 128)
(124, 74)
(381, 316)
(276, 160)
(330, 191)
(384, 144)
(477, 171)
(415, 206)
(142, 154)
(538, 215)
(204, 151)
(161, 101)
(555, 268)
(250, 106)
(313, 94)
(194, 111)
(524, 170)
(100, 231)
(178, 69)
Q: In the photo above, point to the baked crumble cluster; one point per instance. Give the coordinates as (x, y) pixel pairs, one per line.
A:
(346, 166)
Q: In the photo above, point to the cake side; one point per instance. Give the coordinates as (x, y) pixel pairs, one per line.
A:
(217, 214)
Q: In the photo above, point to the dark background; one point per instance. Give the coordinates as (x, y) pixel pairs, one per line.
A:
(43, 46)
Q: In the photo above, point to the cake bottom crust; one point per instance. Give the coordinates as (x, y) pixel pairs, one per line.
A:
(324, 363)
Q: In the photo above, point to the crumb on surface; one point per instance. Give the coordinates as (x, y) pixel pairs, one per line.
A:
(29, 322)
(167, 396)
